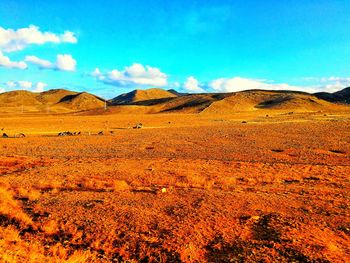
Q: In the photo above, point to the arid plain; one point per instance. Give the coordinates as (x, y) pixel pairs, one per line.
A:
(270, 184)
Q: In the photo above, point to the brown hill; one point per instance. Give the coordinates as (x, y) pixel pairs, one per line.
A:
(193, 103)
(342, 96)
(269, 100)
(54, 96)
(158, 100)
(81, 101)
(17, 98)
(141, 95)
(58, 100)
(18, 101)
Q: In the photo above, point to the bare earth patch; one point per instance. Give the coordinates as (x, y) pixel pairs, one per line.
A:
(192, 190)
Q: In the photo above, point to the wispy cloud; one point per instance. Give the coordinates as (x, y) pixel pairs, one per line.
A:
(238, 84)
(14, 40)
(6, 62)
(235, 84)
(25, 85)
(41, 63)
(328, 84)
(64, 62)
(134, 75)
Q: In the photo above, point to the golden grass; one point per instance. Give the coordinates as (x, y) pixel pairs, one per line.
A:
(13, 245)
(10, 208)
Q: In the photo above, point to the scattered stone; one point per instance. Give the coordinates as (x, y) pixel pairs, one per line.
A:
(100, 133)
(291, 181)
(311, 178)
(138, 126)
(244, 122)
(277, 150)
(66, 133)
(164, 190)
(337, 151)
(4, 135)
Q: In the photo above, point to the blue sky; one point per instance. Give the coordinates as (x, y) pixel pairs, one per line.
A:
(194, 46)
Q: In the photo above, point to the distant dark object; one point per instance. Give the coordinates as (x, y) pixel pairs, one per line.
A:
(4, 135)
(291, 181)
(337, 151)
(100, 133)
(277, 150)
(267, 115)
(138, 126)
(244, 122)
(20, 135)
(66, 133)
(111, 132)
(290, 113)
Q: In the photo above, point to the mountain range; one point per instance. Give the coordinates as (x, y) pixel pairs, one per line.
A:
(159, 100)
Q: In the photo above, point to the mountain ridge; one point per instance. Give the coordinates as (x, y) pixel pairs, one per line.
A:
(157, 100)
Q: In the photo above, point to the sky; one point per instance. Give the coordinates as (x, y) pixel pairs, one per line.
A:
(112, 47)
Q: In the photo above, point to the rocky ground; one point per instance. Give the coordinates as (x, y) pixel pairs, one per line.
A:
(183, 188)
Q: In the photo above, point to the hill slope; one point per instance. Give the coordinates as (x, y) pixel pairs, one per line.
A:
(269, 100)
(141, 95)
(342, 96)
(158, 100)
(81, 101)
(58, 100)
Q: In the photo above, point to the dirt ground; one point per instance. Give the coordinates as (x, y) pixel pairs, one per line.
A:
(184, 188)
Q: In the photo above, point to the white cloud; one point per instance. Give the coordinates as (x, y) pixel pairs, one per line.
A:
(14, 40)
(332, 84)
(2, 90)
(65, 62)
(134, 75)
(39, 87)
(26, 85)
(239, 84)
(42, 63)
(192, 85)
(96, 73)
(11, 84)
(328, 84)
(69, 37)
(7, 63)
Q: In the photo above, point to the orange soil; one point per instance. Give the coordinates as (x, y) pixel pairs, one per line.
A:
(190, 188)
